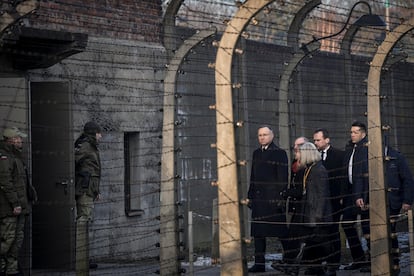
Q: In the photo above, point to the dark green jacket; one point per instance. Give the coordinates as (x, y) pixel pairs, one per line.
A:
(87, 166)
(15, 189)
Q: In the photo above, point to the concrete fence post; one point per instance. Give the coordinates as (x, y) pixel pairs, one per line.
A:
(190, 243)
(411, 240)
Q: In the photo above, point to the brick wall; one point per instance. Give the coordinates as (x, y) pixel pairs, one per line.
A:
(126, 19)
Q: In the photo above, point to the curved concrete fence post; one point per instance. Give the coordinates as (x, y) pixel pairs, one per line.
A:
(169, 249)
(300, 16)
(168, 27)
(290, 66)
(284, 102)
(348, 38)
(380, 247)
(345, 50)
(231, 248)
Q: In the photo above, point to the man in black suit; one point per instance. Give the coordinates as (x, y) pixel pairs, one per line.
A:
(332, 159)
(268, 178)
(356, 195)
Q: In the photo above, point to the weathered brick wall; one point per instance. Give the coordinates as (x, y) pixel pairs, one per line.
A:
(117, 82)
(127, 19)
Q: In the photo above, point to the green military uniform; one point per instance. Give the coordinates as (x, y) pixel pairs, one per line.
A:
(88, 172)
(87, 178)
(15, 191)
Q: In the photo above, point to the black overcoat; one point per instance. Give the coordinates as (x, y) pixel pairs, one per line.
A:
(400, 183)
(268, 178)
(314, 207)
(334, 165)
(360, 181)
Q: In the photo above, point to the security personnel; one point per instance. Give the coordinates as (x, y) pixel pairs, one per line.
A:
(88, 170)
(332, 159)
(356, 195)
(400, 187)
(16, 194)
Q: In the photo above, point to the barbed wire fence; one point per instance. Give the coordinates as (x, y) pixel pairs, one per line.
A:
(318, 93)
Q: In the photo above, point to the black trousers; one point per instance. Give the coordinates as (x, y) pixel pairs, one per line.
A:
(259, 250)
(334, 236)
(291, 244)
(394, 239)
(349, 218)
(318, 246)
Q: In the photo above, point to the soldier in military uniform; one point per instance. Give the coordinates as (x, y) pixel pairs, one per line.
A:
(16, 194)
(88, 174)
(88, 170)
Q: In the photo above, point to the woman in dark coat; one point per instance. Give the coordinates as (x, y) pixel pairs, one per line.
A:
(313, 212)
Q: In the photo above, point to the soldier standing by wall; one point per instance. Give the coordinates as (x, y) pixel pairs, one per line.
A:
(87, 169)
(88, 174)
(16, 194)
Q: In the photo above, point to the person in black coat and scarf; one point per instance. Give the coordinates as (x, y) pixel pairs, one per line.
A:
(269, 176)
(291, 244)
(313, 215)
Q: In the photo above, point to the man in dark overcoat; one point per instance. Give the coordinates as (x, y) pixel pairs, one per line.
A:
(269, 176)
(332, 160)
(400, 187)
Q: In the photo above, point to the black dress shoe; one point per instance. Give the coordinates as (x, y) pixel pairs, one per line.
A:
(365, 269)
(293, 271)
(279, 265)
(287, 268)
(331, 271)
(353, 266)
(257, 268)
(315, 271)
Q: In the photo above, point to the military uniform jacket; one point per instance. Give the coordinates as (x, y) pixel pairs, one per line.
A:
(87, 166)
(14, 187)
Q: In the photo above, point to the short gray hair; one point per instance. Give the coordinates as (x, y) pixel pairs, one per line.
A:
(265, 126)
(308, 154)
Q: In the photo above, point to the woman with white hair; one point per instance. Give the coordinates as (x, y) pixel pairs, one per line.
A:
(313, 211)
